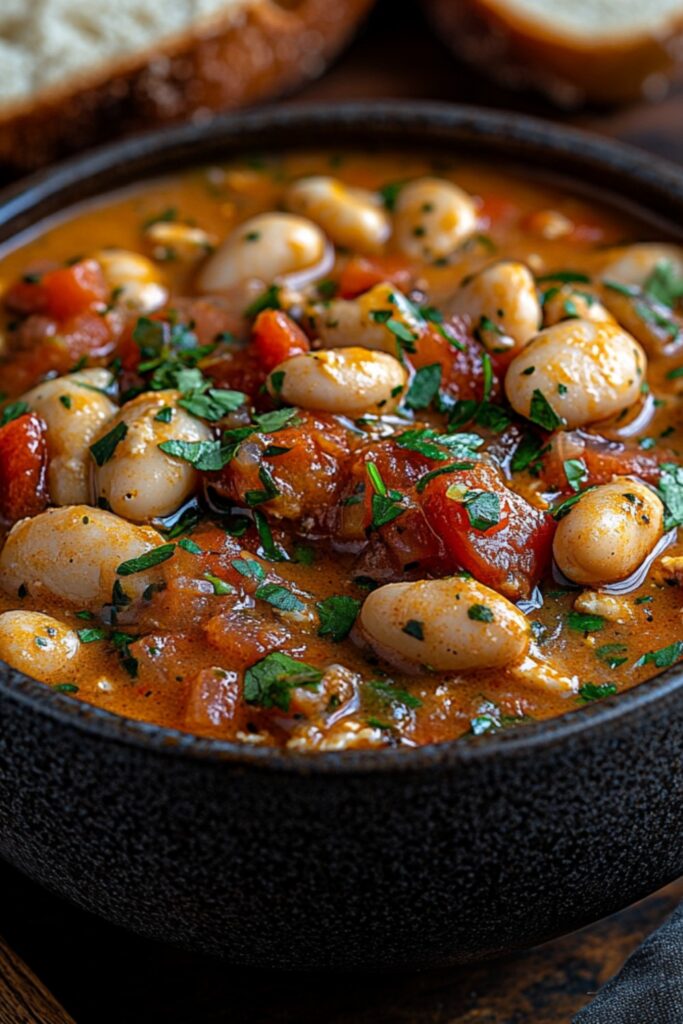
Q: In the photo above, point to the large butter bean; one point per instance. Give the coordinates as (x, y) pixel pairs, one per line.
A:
(265, 248)
(584, 371)
(72, 554)
(608, 534)
(139, 481)
(351, 217)
(38, 645)
(349, 381)
(501, 302)
(451, 624)
(75, 412)
(433, 217)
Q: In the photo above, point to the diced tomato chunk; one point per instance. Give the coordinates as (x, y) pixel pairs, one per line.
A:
(461, 359)
(361, 274)
(603, 459)
(214, 703)
(305, 477)
(23, 468)
(277, 337)
(61, 293)
(511, 554)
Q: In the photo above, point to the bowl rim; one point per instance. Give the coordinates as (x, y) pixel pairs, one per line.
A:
(18, 203)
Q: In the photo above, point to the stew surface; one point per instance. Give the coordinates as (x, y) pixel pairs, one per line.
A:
(342, 451)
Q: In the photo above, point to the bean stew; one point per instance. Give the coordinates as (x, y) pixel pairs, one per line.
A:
(326, 452)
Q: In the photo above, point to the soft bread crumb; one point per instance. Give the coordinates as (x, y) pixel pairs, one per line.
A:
(596, 20)
(48, 42)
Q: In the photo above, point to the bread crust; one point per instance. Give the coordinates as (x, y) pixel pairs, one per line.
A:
(231, 61)
(523, 53)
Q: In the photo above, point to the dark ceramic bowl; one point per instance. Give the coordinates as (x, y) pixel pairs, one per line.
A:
(366, 858)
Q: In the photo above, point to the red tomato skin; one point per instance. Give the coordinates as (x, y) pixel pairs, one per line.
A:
(69, 291)
(276, 337)
(361, 274)
(509, 557)
(23, 468)
(603, 459)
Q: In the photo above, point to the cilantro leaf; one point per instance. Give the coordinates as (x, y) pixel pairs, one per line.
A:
(337, 616)
(480, 613)
(664, 284)
(542, 412)
(595, 691)
(213, 404)
(147, 561)
(671, 493)
(424, 386)
(279, 597)
(483, 509)
(390, 694)
(12, 412)
(203, 455)
(270, 681)
(103, 449)
(584, 623)
(664, 657)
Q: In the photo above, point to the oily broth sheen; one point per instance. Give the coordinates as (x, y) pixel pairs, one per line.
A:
(220, 198)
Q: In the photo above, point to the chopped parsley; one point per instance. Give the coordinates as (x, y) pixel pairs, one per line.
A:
(671, 493)
(585, 623)
(595, 691)
(270, 681)
(480, 613)
(576, 473)
(386, 504)
(483, 509)
(220, 587)
(147, 561)
(542, 412)
(103, 449)
(414, 628)
(279, 597)
(390, 694)
(269, 299)
(12, 412)
(613, 655)
(424, 386)
(337, 615)
(91, 635)
(665, 657)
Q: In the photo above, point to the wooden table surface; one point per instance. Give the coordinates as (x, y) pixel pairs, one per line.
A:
(102, 975)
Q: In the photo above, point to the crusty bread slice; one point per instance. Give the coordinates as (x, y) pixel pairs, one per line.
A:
(604, 50)
(74, 72)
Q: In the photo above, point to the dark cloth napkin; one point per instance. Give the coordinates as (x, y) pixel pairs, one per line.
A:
(649, 987)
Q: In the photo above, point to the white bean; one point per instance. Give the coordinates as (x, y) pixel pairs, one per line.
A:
(348, 381)
(179, 241)
(433, 217)
(38, 645)
(75, 412)
(608, 533)
(566, 303)
(351, 217)
(633, 264)
(267, 248)
(584, 371)
(72, 554)
(364, 320)
(447, 625)
(501, 302)
(139, 481)
(647, 319)
(136, 282)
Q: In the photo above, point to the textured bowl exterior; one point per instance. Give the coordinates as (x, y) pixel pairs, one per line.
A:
(368, 858)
